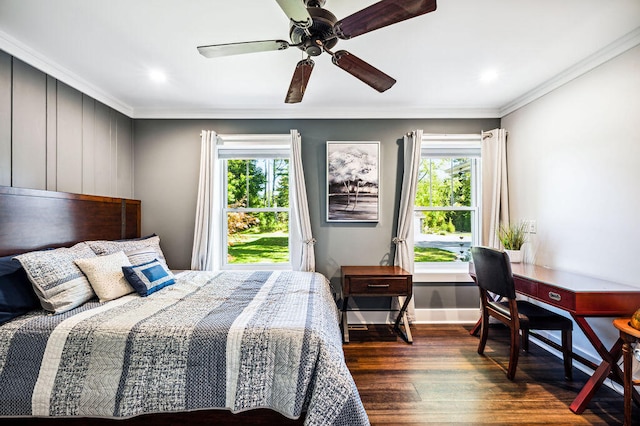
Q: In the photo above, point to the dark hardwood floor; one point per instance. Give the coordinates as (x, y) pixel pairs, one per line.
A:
(442, 379)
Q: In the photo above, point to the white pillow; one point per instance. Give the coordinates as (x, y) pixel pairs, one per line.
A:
(105, 275)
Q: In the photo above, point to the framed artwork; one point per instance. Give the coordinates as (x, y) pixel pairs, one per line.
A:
(353, 181)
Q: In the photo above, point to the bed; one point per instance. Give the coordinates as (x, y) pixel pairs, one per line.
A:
(265, 344)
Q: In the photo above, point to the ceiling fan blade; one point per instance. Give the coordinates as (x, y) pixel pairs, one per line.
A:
(299, 81)
(297, 12)
(218, 50)
(363, 71)
(381, 14)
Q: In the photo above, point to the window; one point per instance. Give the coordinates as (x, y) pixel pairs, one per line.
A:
(255, 209)
(447, 210)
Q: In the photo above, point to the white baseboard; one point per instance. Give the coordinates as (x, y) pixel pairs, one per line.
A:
(447, 316)
(423, 316)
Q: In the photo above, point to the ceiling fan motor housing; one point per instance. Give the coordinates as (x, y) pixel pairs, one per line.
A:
(320, 31)
(315, 3)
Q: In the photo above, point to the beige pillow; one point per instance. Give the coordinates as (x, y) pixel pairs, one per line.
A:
(105, 275)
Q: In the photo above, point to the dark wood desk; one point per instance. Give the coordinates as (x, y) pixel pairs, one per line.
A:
(582, 297)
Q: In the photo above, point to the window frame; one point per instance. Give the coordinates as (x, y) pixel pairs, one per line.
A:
(252, 147)
(454, 146)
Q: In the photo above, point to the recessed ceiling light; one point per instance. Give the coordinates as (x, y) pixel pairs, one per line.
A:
(489, 76)
(157, 76)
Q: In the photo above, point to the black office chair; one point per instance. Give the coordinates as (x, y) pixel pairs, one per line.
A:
(493, 274)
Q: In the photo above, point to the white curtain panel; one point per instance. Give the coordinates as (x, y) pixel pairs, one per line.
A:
(303, 255)
(495, 191)
(404, 237)
(205, 254)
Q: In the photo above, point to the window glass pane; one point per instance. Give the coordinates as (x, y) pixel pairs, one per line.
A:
(258, 183)
(279, 182)
(461, 181)
(442, 236)
(423, 193)
(257, 237)
(444, 182)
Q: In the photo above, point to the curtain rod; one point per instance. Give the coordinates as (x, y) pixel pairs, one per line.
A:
(490, 134)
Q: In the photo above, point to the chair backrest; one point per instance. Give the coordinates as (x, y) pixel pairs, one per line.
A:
(493, 271)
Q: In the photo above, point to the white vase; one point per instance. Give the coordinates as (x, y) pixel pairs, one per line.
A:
(515, 256)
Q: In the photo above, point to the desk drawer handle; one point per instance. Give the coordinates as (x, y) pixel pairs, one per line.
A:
(378, 285)
(555, 296)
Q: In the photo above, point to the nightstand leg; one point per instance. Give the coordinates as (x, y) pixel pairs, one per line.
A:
(407, 330)
(345, 321)
(402, 315)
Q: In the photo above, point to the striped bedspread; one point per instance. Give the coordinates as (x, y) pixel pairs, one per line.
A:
(230, 340)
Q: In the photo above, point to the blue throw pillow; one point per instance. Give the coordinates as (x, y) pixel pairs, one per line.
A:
(148, 277)
(16, 292)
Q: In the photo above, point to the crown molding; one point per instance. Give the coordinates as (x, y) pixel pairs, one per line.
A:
(24, 53)
(318, 113)
(621, 45)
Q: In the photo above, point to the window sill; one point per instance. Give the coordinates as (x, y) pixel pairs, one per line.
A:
(442, 274)
(258, 267)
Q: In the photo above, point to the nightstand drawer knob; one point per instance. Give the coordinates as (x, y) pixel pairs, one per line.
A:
(378, 285)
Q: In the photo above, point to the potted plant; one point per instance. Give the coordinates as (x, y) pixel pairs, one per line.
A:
(512, 238)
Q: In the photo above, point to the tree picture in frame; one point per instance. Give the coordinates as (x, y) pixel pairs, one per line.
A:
(353, 181)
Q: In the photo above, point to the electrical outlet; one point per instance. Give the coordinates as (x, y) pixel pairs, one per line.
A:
(533, 226)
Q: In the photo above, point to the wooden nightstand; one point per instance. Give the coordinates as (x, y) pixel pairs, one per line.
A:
(377, 281)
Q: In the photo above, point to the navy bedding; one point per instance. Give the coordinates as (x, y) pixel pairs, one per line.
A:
(227, 340)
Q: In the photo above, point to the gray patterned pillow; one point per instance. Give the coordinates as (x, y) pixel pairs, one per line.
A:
(102, 247)
(143, 255)
(58, 282)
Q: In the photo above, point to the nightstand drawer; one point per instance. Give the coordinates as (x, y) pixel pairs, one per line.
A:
(387, 286)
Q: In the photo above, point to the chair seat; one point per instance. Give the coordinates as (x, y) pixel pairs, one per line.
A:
(535, 317)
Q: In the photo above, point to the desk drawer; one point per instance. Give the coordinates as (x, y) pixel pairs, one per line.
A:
(556, 296)
(379, 286)
(526, 286)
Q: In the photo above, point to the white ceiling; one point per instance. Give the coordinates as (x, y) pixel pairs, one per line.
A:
(106, 48)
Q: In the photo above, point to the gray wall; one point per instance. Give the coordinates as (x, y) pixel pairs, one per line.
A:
(56, 138)
(167, 155)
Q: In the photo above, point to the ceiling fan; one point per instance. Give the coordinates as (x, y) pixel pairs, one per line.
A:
(315, 30)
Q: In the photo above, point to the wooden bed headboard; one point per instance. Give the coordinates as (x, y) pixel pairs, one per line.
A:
(32, 219)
